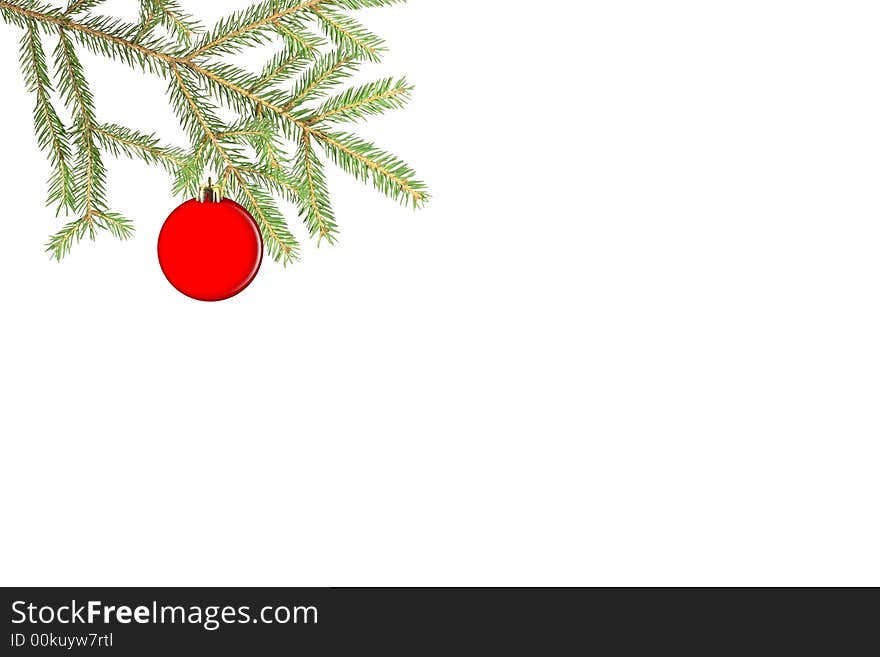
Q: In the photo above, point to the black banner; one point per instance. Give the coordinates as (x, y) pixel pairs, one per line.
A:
(160, 622)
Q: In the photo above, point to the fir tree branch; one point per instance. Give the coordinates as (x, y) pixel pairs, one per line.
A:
(201, 119)
(256, 21)
(78, 96)
(177, 20)
(170, 14)
(313, 195)
(282, 67)
(349, 34)
(115, 42)
(189, 176)
(148, 24)
(119, 140)
(280, 243)
(51, 133)
(252, 154)
(90, 179)
(62, 242)
(79, 6)
(325, 74)
(241, 92)
(298, 37)
(361, 102)
(274, 178)
(360, 158)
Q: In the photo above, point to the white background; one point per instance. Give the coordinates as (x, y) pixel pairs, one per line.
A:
(633, 340)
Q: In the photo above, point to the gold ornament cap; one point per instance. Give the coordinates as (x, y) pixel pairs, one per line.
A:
(210, 193)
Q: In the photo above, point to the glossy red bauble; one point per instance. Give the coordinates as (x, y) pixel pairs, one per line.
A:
(209, 250)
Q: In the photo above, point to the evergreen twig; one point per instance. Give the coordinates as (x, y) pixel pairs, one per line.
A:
(282, 109)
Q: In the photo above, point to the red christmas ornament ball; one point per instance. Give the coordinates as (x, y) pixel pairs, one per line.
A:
(210, 250)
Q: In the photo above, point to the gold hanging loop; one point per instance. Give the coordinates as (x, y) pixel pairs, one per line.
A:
(211, 193)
